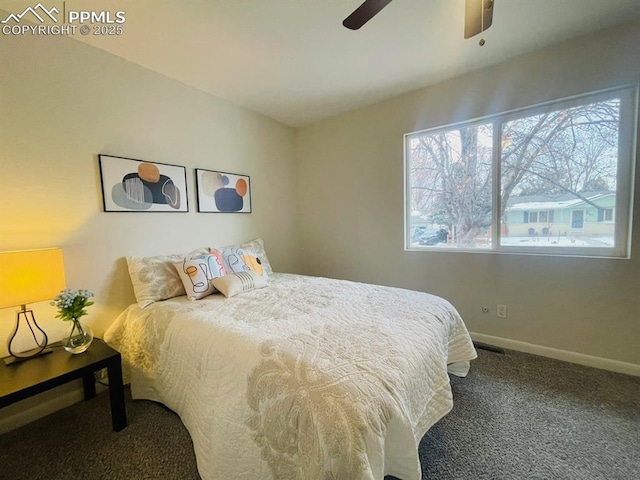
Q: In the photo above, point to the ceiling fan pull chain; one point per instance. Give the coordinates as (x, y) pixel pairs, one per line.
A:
(482, 42)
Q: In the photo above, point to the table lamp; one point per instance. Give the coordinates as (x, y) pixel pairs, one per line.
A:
(29, 276)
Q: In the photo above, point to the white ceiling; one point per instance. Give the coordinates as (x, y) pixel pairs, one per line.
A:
(292, 60)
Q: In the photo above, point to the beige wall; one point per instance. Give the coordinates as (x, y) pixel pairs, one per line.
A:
(62, 103)
(351, 207)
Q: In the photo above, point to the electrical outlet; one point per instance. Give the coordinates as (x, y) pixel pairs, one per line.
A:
(502, 311)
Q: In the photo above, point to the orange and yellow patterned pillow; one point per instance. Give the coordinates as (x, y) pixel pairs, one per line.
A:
(252, 254)
(237, 260)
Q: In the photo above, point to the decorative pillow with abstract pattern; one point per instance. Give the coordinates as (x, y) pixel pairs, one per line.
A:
(237, 260)
(246, 256)
(198, 273)
(257, 247)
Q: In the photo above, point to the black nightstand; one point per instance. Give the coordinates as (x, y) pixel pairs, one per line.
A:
(39, 374)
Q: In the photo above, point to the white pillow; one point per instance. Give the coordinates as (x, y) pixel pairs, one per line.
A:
(155, 278)
(236, 283)
(196, 274)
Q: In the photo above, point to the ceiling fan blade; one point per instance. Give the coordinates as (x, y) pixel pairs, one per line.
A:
(364, 13)
(478, 16)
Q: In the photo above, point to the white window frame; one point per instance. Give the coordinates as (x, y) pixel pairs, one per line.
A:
(628, 96)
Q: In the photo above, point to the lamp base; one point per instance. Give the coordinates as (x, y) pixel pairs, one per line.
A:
(15, 360)
(30, 320)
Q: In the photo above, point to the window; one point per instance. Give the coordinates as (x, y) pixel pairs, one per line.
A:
(550, 179)
(605, 215)
(543, 216)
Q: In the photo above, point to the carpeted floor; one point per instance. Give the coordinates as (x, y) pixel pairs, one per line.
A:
(516, 416)
(519, 416)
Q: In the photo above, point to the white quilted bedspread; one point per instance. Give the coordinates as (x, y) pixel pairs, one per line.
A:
(309, 378)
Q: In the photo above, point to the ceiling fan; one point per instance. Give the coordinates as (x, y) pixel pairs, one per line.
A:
(478, 15)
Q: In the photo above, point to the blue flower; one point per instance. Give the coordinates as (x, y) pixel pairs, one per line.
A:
(72, 304)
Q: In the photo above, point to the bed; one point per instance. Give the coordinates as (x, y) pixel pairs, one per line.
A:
(307, 378)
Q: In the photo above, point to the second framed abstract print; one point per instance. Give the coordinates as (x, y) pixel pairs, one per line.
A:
(221, 192)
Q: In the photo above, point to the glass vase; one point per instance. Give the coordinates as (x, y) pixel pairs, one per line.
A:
(77, 337)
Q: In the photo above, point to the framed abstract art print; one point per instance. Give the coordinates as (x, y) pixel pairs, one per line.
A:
(221, 192)
(130, 185)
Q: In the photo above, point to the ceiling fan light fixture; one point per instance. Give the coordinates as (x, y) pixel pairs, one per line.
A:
(478, 16)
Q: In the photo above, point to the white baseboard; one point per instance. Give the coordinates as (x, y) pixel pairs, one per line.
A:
(573, 357)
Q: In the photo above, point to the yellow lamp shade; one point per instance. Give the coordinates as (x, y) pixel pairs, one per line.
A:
(29, 276)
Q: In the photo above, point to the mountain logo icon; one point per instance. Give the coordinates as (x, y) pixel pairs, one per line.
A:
(39, 11)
